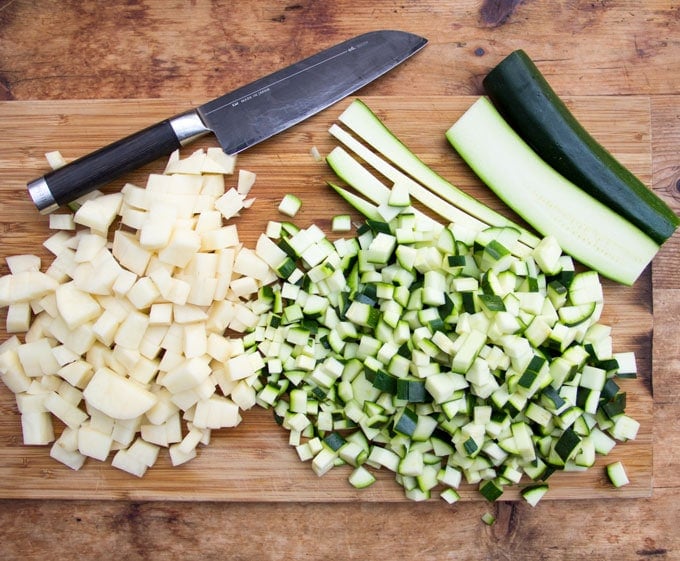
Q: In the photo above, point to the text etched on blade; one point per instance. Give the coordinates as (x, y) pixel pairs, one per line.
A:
(251, 96)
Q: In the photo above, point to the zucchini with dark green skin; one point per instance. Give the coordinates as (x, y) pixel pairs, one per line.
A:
(525, 99)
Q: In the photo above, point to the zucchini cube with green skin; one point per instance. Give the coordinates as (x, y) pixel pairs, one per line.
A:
(381, 248)
(576, 314)
(468, 350)
(534, 493)
(361, 478)
(341, 223)
(617, 474)
(407, 422)
(496, 257)
(290, 205)
(557, 293)
(567, 444)
(491, 303)
(547, 255)
(411, 464)
(363, 314)
(491, 490)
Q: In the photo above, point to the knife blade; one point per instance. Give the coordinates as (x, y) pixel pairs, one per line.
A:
(239, 119)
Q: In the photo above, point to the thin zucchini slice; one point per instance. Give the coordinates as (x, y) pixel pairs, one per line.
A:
(359, 118)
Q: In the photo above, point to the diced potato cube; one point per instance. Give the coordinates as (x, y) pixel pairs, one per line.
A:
(181, 248)
(244, 395)
(75, 306)
(218, 161)
(94, 443)
(68, 439)
(188, 314)
(125, 430)
(177, 457)
(100, 212)
(145, 452)
(25, 287)
(190, 441)
(155, 434)
(118, 397)
(77, 373)
(124, 282)
(216, 412)
(66, 412)
(213, 186)
(163, 409)
(143, 293)
(187, 375)
(246, 180)
(173, 428)
(144, 369)
(160, 313)
(129, 253)
(12, 373)
(248, 263)
(202, 291)
(71, 458)
(219, 238)
(131, 331)
(18, 317)
(62, 222)
(71, 394)
(89, 246)
(230, 204)
(31, 402)
(54, 159)
(24, 262)
(192, 164)
(99, 420)
(57, 243)
(195, 340)
(37, 428)
(218, 347)
(124, 461)
(81, 339)
(244, 287)
(37, 359)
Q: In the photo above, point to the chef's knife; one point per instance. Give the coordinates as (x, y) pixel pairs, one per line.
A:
(238, 119)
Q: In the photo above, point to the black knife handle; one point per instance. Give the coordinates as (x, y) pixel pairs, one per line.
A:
(95, 170)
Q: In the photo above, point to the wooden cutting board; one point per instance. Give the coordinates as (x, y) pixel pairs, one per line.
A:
(254, 462)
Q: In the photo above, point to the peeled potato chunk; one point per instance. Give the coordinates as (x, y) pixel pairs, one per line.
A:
(116, 396)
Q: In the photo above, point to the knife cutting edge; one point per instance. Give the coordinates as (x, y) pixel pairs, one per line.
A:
(238, 119)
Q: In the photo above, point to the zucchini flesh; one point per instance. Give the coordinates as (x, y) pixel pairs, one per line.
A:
(584, 227)
(528, 103)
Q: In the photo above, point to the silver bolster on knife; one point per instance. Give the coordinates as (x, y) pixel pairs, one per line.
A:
(42, 196)
(188, 127)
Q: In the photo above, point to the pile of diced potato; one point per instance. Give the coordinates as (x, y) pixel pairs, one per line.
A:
(124, 332)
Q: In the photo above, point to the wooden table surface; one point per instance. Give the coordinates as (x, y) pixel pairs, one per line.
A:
(192, 51)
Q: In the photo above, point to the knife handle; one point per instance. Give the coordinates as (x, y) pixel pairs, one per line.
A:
(94, 170)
